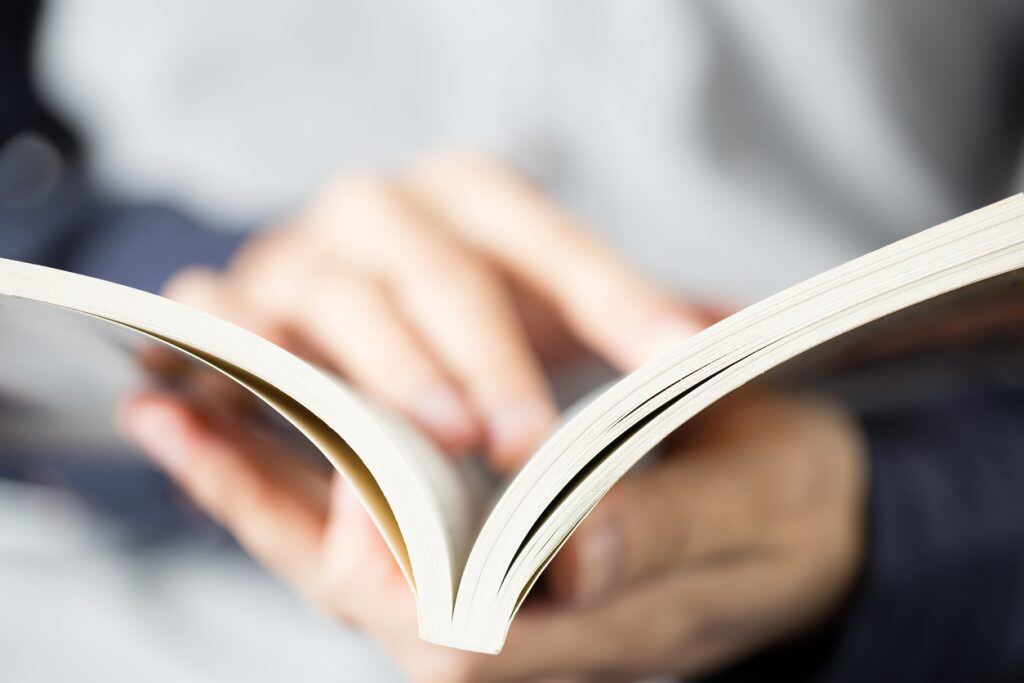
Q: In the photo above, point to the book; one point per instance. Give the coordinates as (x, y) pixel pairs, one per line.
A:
(471, 562)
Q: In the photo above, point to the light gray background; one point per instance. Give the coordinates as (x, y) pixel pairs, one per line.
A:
(731, 148)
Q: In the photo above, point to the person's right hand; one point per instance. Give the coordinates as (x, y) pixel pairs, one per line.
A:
(444, 292)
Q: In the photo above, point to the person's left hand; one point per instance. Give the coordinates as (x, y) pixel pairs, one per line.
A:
(747, 533)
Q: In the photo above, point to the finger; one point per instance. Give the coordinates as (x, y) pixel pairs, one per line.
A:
(349, 323)
(455, 304)
(202, 288)
(358, 569)
(274, 508)
(612, 308)
(357, 327)
(207, 291)
(600, 641)
(693, 622)
(466, 317)
(751, 476)
(681, 512)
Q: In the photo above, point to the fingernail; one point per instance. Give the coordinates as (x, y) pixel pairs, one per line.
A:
(158, 432)
(598, 558)
(517, 428)
(446, 416)
(665, 334)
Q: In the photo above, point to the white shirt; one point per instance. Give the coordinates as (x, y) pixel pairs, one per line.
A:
(730, 147)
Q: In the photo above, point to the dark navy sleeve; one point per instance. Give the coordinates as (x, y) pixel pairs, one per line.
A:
(941, 595)
(139, 245)
(49, 213)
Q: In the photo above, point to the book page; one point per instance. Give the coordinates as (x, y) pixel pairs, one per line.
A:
(392, 472)
(584, 458)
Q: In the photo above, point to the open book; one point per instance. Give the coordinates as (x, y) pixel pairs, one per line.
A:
(471, 569)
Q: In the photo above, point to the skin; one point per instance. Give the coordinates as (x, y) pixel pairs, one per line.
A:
(466, 283)
(463, 282)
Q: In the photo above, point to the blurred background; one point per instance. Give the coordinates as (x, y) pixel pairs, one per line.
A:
(730, 148)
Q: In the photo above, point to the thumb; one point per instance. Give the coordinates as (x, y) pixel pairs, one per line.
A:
(681, 512)
(358, 571)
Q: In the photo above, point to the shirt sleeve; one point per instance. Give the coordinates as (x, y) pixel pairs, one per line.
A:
(941, 595)
(49, 213)
(139, 245)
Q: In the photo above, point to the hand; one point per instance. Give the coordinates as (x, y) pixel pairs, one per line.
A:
(748, 532)
(314, 534)
(444, 292)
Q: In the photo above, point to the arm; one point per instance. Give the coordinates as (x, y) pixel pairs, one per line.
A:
(943, 589)
(51, 216)
(941, 592)
(136, 245)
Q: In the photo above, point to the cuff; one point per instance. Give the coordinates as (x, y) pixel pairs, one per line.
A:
(942, 592)
(142, 246)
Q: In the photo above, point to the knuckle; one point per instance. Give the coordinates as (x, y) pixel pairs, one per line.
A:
(356, 191)
(271, 252)
(456, 165)
(193, 283)
(451, 271)
(346, 301)
(368, 221)
(340, 291)
(464, 272)
(450, 171)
